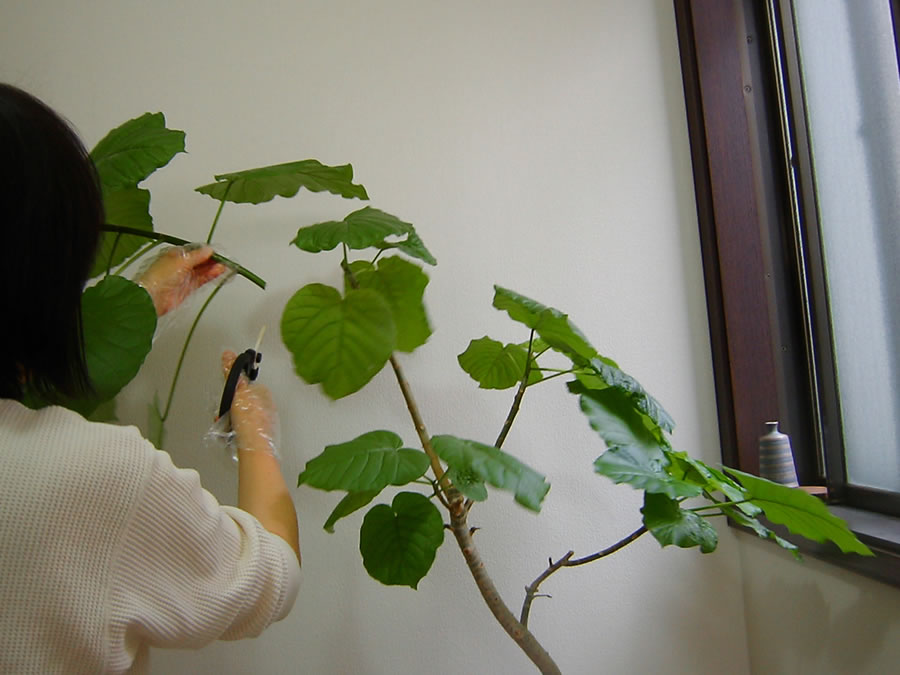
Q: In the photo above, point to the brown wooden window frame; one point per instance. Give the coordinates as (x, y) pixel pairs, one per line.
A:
(771, 353)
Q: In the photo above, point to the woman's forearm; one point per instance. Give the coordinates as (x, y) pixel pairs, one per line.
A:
(263, 492)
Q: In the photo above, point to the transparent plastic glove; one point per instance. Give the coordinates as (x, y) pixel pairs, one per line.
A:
(254, 418)
(178, 272)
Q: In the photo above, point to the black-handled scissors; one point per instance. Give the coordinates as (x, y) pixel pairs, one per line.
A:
(247, 363)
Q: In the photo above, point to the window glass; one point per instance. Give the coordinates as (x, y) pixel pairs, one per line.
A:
(852, 100)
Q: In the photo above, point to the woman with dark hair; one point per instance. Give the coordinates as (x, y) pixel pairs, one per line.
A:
(106, 548)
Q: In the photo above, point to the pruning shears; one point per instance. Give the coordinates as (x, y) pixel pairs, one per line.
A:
(246, 363)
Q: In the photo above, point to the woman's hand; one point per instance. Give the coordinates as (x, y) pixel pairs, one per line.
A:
(254, 418)
(177, 273)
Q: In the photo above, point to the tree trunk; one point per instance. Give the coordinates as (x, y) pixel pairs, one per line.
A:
(522, 636)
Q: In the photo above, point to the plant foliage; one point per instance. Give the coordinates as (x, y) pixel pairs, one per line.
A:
(342, 337)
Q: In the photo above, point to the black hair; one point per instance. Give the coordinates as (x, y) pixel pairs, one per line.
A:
(51, 212)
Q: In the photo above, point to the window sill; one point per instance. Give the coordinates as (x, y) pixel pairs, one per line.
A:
(879, 532)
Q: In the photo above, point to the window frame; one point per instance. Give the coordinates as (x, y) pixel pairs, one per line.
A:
(772, 357)
(840, 490)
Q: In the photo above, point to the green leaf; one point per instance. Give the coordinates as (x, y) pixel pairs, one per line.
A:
(800, 512)
(402, 285)
(615, 377)
(412, 246)
(492, 364)
(493, 466)
(680, 467)
(341, 342)
(368, 462)
(127, 207)
(613, 416)
(255, 186)
(359, 230)
(118, 321)
(761, 530)
(352, 501)
(468, 483)
(398, 542)
(552, 325)
(672, 525)
(643, 469)
(712, 480)
(731, 489)
(105, 412)
(131, 152)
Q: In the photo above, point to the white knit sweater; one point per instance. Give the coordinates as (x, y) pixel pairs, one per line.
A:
(107, 549)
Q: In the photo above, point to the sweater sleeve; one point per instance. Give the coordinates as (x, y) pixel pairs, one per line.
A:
(189, 571)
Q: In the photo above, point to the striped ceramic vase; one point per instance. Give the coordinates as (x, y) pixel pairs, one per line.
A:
(776, 460)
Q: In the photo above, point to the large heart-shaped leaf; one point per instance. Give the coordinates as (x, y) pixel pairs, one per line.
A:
(672, 525)
(643, 469)
(132, 151)
(402, 285)
(493, 466)
(118, 320)
(127, 207)
(613, 416)
(352, 502)
(398, 542)
(551, 324)
(800, 512)
(492, 364)
(359, 230)
(340, 342)
(368, 462)
(255, 186)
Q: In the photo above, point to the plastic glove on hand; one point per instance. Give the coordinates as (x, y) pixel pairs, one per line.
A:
(254, 418)
(177, 273)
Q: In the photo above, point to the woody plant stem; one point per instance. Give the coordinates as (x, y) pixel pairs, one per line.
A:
(460, 527)
(454, 502)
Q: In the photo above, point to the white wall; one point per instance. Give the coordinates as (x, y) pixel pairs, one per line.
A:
(813, 618)
(537, 145)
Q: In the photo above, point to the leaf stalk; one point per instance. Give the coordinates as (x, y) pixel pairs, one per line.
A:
(212, 228)
(187, 341)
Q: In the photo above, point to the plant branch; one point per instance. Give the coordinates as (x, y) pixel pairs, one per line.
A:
(517, 400)
(622, 543)
(177, 241)
(531, 591)
(452, 495)
(458, 516)
(514, 408)
(513, 627)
